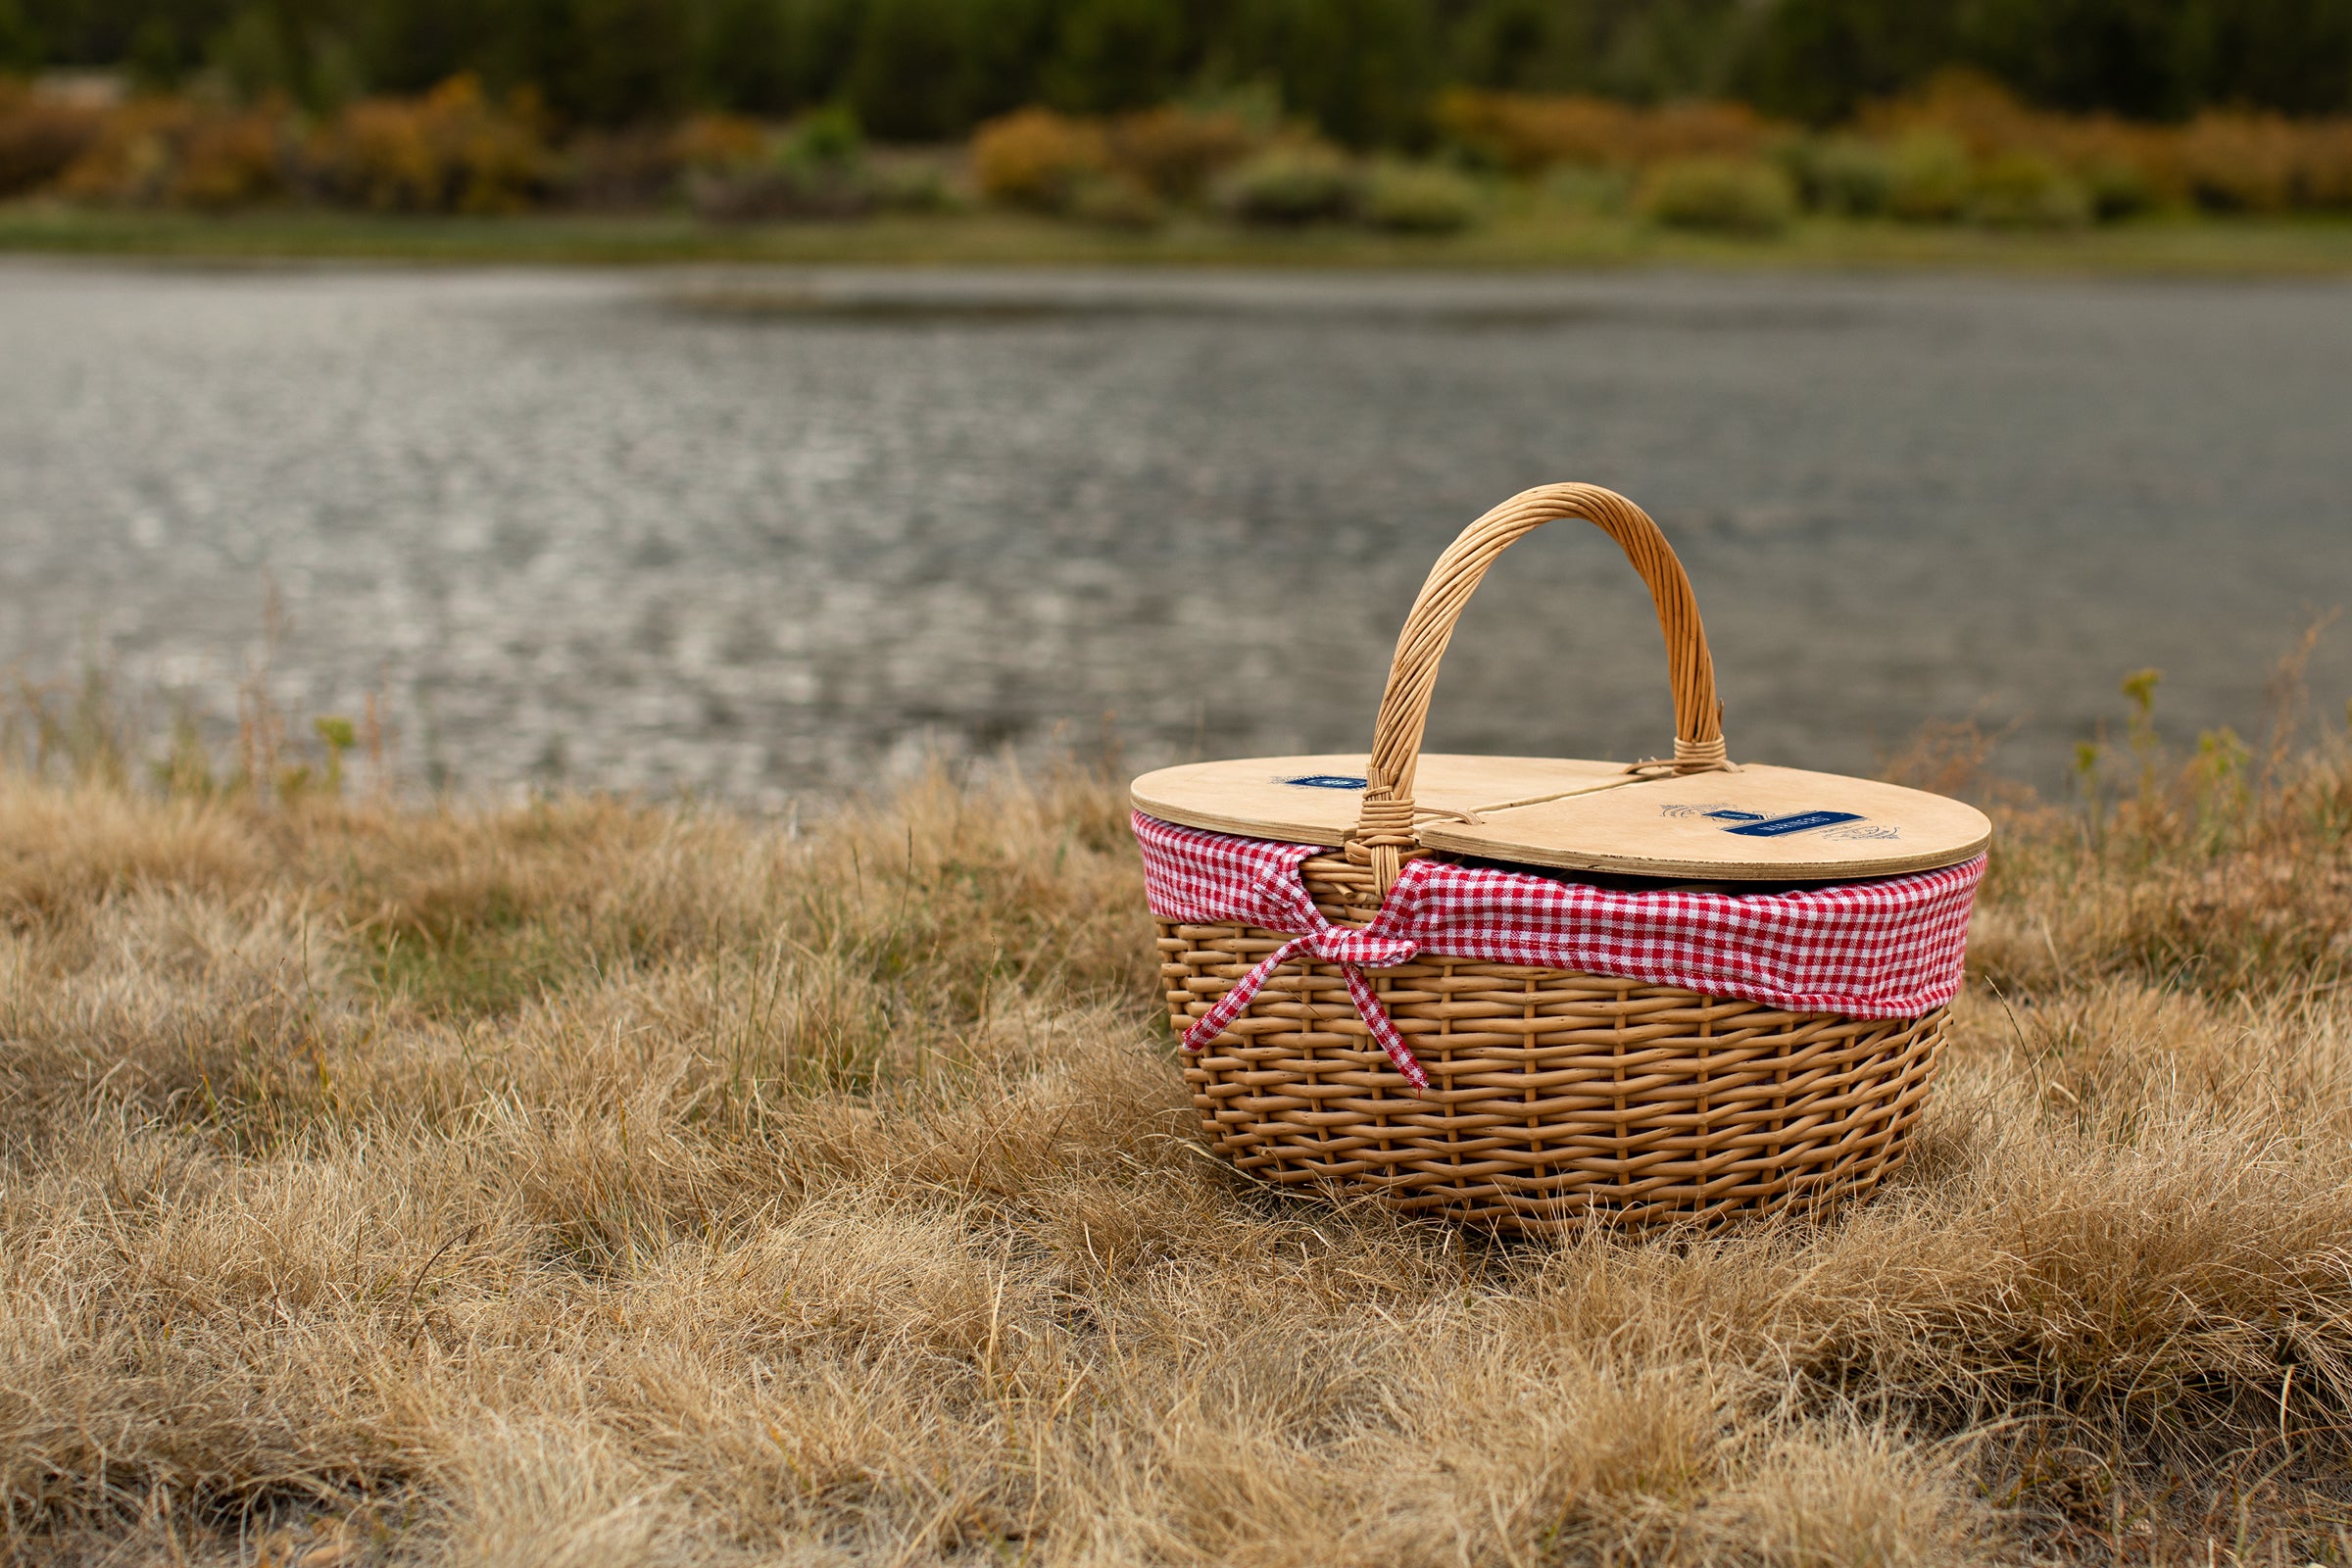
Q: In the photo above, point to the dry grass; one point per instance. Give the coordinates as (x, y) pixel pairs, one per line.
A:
(591, 1184)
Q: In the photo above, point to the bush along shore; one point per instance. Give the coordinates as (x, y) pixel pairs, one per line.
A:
(1959, 154)
(585, 1181)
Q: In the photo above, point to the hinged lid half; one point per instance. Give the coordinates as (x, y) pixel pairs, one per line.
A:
(1317, 800)
(1757, 824)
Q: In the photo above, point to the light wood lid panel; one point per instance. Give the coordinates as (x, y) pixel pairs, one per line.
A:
(1255, 796)
(1758, 823)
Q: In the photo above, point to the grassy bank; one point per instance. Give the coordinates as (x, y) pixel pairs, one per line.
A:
(589, 1182)
(2241, 247)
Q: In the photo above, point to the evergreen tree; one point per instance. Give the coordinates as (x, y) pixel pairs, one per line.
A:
(1364, 69)
(1819, 60)
(2129, 56)
(1118, 54)
(911, 77)
(20, 43)
(610, 62)
(407, 46)
(2290, 55)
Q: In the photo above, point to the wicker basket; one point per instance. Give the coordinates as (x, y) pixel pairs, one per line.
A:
(1557, 1099)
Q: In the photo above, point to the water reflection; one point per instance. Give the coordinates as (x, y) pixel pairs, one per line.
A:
(766, 534)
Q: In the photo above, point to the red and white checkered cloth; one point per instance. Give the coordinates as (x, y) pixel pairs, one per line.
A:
(1888, 949)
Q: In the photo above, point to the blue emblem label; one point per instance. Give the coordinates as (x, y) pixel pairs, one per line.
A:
(1772, 827)
(1841, 825)
(1329, 781)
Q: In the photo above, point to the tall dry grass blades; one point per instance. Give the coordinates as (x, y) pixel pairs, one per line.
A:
(586, 1183)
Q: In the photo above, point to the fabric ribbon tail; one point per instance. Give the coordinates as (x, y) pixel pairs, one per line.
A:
(1384, 1028)
(1236, 1001)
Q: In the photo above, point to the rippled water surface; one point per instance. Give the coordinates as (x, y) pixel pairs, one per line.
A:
(774, 535)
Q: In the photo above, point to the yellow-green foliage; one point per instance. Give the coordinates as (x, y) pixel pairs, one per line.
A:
(1960, 148)
(589, 1182)
(1100, 167)
(2023, 189)
(1175, 152)
(2225, 162)
(1418, 199)
(1294, 181)
(1728, 195)
(1526, 132)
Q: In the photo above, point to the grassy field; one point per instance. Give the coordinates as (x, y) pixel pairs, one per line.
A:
(587, 1183)
(2191, 247)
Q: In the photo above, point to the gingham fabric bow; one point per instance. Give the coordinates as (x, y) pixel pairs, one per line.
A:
(1215, 877)
(1353, 952)
(1893, 948)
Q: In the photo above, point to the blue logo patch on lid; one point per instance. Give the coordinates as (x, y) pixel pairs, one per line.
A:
(1329, 781)
(1772, 827)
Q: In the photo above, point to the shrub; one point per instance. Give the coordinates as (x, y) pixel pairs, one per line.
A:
(1116, 200)
(2124, 169)
(231, 160)
(1931, 179)
(377, 154)
(2324, 178)
(1527, 131)
(450, 151)
(2025, 190)
(1037, 158)
(2240, 163)
(819, 169)
(1418, 199)
(717, 141)
(1726, 195)
(1291, 185)
(41, 138)
(909, 180)
(1585, 189)
(1176, 152)
(2117, 187)
(1845, 175)
(2118, 168)
(617, 170)
(1973, 111)
(1524, 133)
(133, 160)
(829, 138)
(1697, 129)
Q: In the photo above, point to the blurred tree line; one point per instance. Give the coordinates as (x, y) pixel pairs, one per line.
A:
(1364, 70)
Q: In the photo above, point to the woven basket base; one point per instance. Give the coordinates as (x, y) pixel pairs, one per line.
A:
(1556, 1100)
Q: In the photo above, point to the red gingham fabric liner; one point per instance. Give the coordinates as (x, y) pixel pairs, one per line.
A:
(1888, 949)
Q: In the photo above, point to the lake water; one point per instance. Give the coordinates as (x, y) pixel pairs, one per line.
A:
(778, 535)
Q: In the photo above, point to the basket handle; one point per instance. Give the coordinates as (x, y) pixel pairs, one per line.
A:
(1384, 828)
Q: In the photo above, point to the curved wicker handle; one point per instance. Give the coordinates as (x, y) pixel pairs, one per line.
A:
(1386, 826)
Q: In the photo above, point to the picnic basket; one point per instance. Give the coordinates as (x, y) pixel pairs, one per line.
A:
(1336, 936)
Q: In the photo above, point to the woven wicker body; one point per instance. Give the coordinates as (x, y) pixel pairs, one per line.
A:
(1556, 1099)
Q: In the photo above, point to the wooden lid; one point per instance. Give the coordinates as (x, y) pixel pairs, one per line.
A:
(1758, 823)
(1315, 800)
(1751, 824)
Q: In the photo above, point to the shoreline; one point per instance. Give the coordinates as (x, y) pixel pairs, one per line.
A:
(2253, 249)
